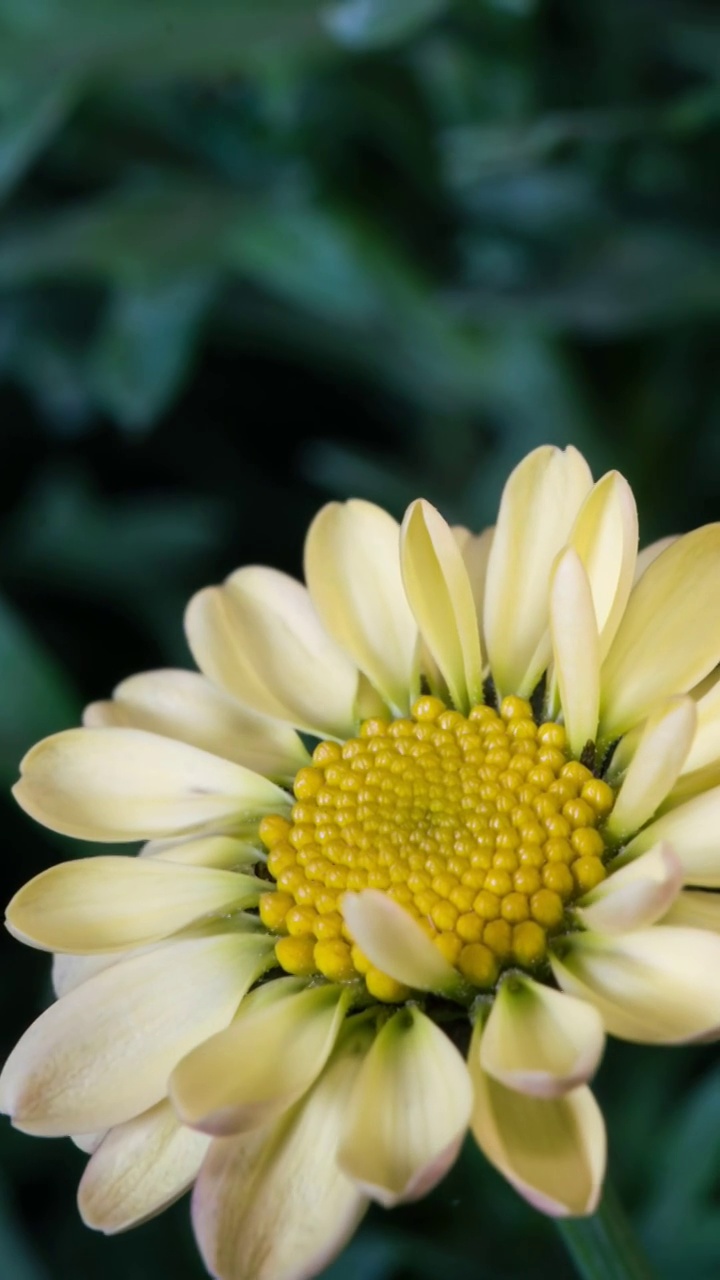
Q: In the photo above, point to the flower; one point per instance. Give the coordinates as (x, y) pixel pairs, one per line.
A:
(504, 758)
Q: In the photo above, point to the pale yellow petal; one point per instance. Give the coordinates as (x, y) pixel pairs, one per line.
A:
(650, 553)
(653, 986)
(692, 830)
(259, 637)
(88, 1142)
(635, 896)
(551, 1150)
(655, 766)
(475, 548)
(186, 706)
(538, 509)
(441, 598)
(605, 536)
(695, 909)
(70, 971)
(540, 1041)
(104, 1052)
(669, 637)
(139, 1169)
(284, 1177)
(126, 784)
(225, 853)
(394, 942)
(575, 649)
(408, 1113)
(352, 568)
(705, 749)
(263, 1062)
(107, 903)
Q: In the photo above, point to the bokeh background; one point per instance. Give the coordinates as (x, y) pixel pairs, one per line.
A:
(258, 253)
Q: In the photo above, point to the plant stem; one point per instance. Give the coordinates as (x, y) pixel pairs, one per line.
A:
(604, 1247)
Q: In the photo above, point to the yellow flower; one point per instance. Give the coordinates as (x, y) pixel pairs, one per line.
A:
(504, 758)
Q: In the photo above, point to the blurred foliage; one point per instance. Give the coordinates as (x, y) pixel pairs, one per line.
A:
(258, 252)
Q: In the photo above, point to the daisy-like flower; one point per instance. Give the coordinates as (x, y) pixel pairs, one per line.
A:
(420, 835)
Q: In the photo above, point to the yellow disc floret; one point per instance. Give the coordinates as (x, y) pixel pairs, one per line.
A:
(480, 826)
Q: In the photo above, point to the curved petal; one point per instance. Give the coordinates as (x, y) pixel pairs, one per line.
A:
(441, 598)
(705, 749)
(186, 706)
(408, 1112)
(575, 645)
(669, 637)
(139, 1169)
(263, 1062)
(653, 986)
(540, 1041)
(107, 903)
(605, 536)
(352, 568)
(104, 1052)
(538, 508)
(288, 1169)
(636, 895)
(694, 909)
(259, 637)
(126, 784)
(224, 853)
(691, 829)
(650, 553)
(655, 766)
(551, 1150)
(69, 971)
(394, 942)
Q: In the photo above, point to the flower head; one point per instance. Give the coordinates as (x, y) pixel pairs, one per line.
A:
(418, 837)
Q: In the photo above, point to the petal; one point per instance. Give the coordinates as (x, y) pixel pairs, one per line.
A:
(139, 1169)
(263, 1062)
(104, 1052)
(540, 1041)
(538, 508)
(441, 598)
(70, 971)
(636, 895)
(408, 1113)
(650, 553)
(259, 637)
(605, 536)
(394, 942)
(126, 784)
(694, 909)
(352, 568)
(225, 853)
(475, 548)
(186, 706)
(705, 748)
(288, 1170)
(655, 766)
(669, 637)
(691, 829)
(551, 1150)
(653, 986)
(575, 649)
(107, 903)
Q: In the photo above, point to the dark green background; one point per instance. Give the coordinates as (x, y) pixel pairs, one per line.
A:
(256, 253)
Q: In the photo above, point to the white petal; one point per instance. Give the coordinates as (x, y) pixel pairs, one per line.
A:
(551, 1150)
(186, 706)
(70, 971)
(538, 508)
(140, 1168)
(126, 784)
(104, 1052)
(575, 649)
(540, 1041)
(691, 829)
(669, 637)
(259, 637)
(653, 986)
(605, 536)
(225, 853)
(352, 568)
(636, 895)
(263, 1062)
(88, 1143)
(394, 942)
(655, 766)
(107, 903)
(273, 1204)
(441, 598)
(408, 1113)
(694, 909)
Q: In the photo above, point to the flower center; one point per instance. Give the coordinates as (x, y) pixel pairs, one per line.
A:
(479, 826)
